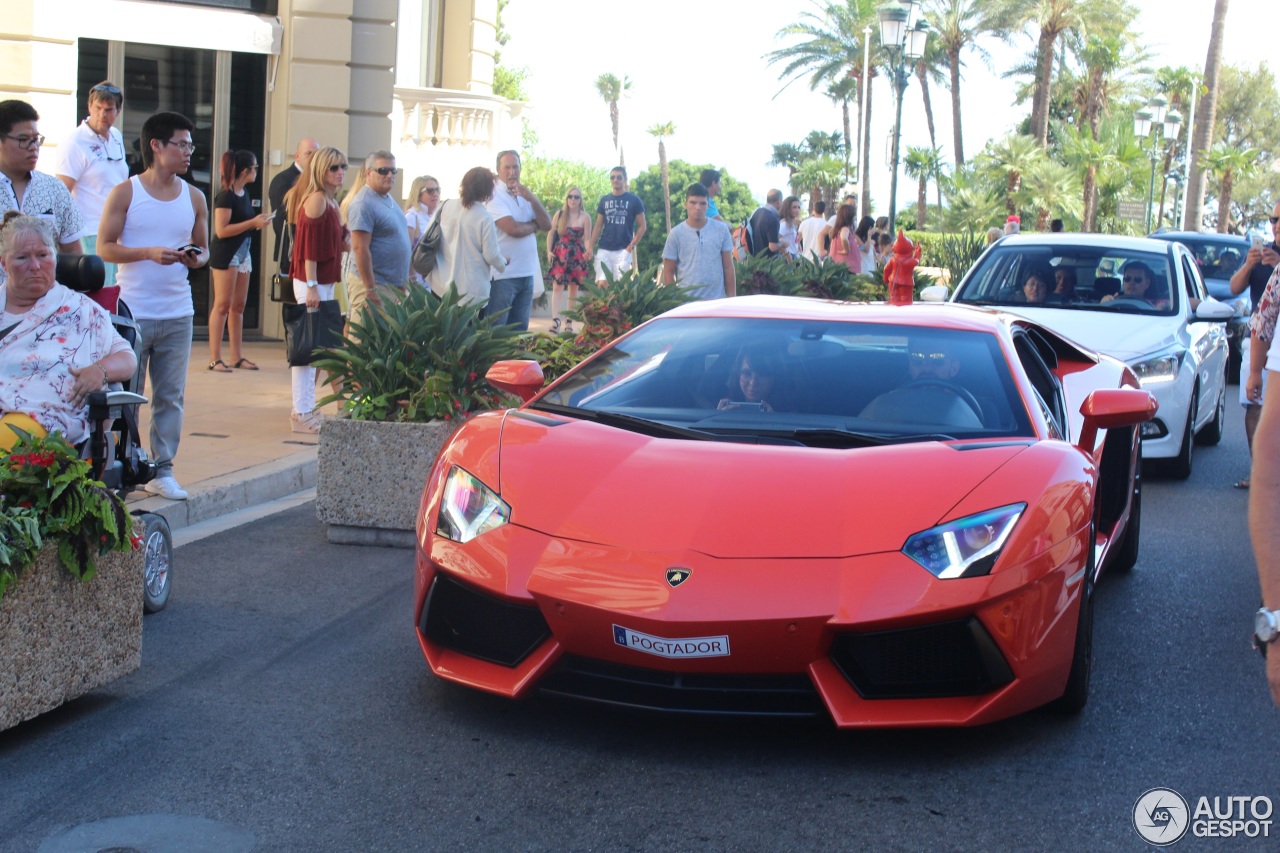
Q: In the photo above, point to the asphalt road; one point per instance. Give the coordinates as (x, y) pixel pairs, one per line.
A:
(283, 705)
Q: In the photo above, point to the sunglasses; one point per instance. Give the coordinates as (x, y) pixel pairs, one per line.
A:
(928, 357)
(575, 197)
(432, 190)
(385, 170)
(1274, 219)
(108, 88)
(1135, 278)
(337, 167)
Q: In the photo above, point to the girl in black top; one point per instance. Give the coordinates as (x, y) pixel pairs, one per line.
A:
(233, 219)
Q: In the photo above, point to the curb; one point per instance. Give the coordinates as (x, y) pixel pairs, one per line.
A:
(228, 493)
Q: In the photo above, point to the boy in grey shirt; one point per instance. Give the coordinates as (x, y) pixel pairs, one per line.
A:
(699, 251)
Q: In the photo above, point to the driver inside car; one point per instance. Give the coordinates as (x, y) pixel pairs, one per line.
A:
(931, 394)
(1135, 285)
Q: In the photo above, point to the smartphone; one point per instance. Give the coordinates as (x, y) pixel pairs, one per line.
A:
(744, 405)
(190, 250)
(1259, 242)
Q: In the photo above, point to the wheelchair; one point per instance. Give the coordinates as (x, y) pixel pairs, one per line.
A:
(114, 448)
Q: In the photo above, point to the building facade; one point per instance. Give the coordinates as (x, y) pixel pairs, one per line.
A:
(412, 76)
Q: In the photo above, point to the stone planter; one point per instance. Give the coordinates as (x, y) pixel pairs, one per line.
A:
(369, 478)
(61, 638)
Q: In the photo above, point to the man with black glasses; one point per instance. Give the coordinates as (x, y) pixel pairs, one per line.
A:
(23, 188)
(91, 162)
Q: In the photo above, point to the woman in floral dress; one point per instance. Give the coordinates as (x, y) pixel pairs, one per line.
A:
(568, 253)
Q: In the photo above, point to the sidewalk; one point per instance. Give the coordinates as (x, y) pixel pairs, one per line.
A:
(237, 448)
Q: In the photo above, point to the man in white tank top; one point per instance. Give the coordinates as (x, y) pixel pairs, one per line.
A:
(155, 226)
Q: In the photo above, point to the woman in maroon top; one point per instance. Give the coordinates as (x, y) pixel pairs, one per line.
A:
(319, 240)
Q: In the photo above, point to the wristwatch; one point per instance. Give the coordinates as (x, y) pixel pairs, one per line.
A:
(312, 283)
(1266, 628)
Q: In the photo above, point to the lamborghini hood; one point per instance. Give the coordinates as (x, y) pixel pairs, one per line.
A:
(593, 483)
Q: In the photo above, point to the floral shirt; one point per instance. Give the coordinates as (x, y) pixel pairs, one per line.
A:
(64, 329)
(46, 198)
(1263, 321)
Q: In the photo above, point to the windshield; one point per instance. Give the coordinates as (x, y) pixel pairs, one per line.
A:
(1073, 277)
(1216, 258)
(815, 383)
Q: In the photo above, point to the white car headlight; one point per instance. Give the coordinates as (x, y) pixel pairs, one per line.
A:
(966, 547)
(469, 508)
(1157, 369)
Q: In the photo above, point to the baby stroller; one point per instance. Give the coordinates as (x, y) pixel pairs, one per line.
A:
(114, 447)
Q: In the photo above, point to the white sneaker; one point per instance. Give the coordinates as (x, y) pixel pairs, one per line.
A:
(166, 487)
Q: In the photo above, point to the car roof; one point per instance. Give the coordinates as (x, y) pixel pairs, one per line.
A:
(1068, 241)
(1200, 237)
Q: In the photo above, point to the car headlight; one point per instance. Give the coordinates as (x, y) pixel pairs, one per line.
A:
(469, 508)
(966, 547)
(1160, 368)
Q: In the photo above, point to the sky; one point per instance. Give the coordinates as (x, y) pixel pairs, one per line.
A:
(700, 65)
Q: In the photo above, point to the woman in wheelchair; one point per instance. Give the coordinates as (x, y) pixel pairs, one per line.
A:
(56, 346)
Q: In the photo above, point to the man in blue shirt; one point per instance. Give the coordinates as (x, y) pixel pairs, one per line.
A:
(619, 227)
(710, 178)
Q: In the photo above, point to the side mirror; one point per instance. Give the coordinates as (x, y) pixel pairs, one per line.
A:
(519, 377)
(934, 293)
(1214, 311)
(1114, 407)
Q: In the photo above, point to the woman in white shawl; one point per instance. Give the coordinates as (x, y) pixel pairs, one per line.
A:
(56, 346)
(468, 253)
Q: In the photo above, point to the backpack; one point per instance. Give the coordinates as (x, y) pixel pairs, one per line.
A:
(743, 239)
(427, 252)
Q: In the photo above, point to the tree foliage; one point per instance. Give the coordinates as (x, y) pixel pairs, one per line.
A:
(735, 202)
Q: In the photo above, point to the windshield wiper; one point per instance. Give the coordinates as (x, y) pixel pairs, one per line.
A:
(644, 426)
(849, 438)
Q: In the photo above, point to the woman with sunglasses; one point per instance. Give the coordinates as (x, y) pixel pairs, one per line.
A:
(91, 162)
(319, 242)
(568, 254)
(424, 201)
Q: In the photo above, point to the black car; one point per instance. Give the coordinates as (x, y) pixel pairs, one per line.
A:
(1219, 256)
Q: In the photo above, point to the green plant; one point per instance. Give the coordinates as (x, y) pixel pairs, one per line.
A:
(419, 358)
(48, 495)
(956, 253)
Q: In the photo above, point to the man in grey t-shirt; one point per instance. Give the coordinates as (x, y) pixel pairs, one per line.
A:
(699, 251)
(380, 247)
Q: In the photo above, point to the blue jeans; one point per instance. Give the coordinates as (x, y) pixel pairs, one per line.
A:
(511, 299)
(165, 351)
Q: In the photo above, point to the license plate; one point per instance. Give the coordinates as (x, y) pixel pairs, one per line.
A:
(663, 647)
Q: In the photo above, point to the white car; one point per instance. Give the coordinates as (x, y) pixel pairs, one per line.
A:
(1139, 300)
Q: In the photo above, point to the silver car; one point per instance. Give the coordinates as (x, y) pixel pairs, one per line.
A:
(1137, 299)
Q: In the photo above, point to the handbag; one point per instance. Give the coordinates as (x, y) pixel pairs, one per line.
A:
(427, 252)
(307, 331)
(281, 282)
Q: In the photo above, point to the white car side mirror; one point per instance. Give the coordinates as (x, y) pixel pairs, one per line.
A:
(934, 293)
(1212, 309)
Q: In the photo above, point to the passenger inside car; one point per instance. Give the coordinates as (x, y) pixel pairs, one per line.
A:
(758, 380)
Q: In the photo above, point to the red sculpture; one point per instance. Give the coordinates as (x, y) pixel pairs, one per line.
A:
(900, 271)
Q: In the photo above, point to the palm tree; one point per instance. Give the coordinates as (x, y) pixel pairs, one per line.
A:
(822, 175)
(1177, 85)
(957, 24)
(1206, 115)
(790, 156)
(662, 131)
(1226, 162)
(841, 91)
(972, 205)
(1053, 187)
(1012, 157)
(929, 67)
(612, 90)
(1084, 151)
(923, 164)
(826, 43)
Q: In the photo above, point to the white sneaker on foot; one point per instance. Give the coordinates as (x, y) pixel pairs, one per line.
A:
(166, 487)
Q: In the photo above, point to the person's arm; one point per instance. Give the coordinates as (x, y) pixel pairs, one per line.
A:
(489, 247)
(116, 367)
(641, 227)
(199, 232)
(223, 229)
(668, 271)
(730, 275)
(1264, 517)
(363, 259)
(67, 181)
(771, 235)
(1257, 359)
(111, 225)
(1240, 278)
(595, 229)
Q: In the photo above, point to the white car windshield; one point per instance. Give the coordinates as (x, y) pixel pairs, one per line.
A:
(826, 383)
(1073, 278)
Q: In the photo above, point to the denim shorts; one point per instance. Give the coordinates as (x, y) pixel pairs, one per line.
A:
(240, 261)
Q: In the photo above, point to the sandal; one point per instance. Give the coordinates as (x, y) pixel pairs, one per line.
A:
(219, 366)
(245, 364)
(555, 326)
(1241, 484)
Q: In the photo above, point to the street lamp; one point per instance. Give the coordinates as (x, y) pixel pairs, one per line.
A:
(903, 35)
(1146, 123)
